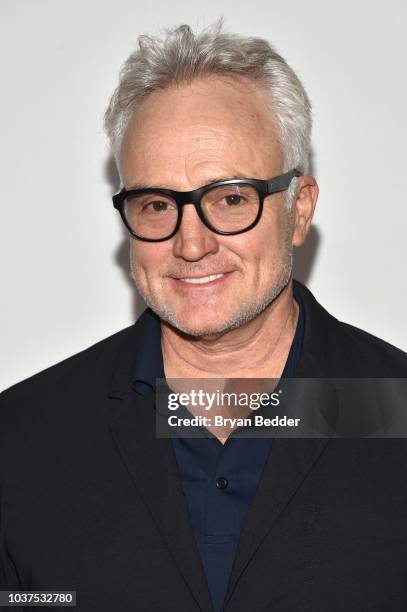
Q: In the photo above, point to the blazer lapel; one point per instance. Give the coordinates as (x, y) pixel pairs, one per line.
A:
(152, 465)
(289, 462)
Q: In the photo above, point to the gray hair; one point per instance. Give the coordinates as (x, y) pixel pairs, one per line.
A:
(182, 56)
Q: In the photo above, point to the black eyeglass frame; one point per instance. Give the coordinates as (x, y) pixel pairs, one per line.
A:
(263, 188)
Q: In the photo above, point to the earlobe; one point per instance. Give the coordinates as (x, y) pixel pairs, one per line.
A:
(304, 207)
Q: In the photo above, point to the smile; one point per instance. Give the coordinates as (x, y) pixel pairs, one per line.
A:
(202, 279)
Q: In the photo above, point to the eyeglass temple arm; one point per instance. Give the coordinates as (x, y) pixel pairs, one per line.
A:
(282, 182)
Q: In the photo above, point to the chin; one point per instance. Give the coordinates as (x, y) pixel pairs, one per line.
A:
(196, 328)
(208, 326)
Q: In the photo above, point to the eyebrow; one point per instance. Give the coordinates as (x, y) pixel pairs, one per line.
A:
(215, 179)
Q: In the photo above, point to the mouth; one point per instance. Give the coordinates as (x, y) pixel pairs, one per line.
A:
(209, 279)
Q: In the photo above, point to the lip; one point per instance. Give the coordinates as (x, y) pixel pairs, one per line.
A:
(194, 285)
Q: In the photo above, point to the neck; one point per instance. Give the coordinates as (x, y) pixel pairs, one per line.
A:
(258, 349)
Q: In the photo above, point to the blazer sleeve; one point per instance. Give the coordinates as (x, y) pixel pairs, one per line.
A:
(8, 575)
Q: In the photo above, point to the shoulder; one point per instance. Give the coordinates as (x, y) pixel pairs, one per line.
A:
(334, 348)
(89, 365)
(360, 347)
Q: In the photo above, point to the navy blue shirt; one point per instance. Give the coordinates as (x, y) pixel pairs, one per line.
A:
(219, 480)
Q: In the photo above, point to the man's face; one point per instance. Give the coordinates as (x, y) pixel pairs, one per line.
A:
(185, 137)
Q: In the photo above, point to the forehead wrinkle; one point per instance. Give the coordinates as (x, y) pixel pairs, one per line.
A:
(192, 168)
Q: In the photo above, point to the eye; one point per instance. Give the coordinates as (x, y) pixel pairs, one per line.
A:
(157, 205)
(234, 199)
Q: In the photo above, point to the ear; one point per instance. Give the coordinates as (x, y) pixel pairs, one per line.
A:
(303, 208)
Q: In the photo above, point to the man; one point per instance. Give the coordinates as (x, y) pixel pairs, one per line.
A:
(211, 134)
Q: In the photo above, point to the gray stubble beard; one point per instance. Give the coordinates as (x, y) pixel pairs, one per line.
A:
(247, 313)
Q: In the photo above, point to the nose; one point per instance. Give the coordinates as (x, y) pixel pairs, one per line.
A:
(193, 240)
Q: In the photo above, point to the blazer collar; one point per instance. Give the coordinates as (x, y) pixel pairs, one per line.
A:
(318, 327)
(128, 359)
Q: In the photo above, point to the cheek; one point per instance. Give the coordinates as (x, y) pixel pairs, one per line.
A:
(269, 250)
(265, 244)
(147, 258)
(278, 236)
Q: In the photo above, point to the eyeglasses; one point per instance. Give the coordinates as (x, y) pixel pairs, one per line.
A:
(225, 207)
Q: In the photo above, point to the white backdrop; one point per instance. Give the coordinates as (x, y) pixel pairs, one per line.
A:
(65, 282)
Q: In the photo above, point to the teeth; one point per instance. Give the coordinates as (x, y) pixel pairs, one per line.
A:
(202, 279)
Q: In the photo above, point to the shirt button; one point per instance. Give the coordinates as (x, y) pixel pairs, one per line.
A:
(222, 482)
